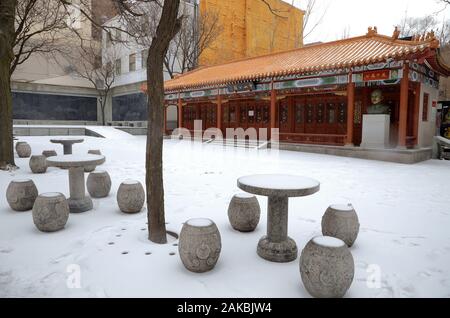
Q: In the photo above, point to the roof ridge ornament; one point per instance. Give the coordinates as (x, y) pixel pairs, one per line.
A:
(371, 31)
(396, 33)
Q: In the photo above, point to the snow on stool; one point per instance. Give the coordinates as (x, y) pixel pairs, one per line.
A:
(50, 212)
(131, 196)
(244, 212)
(21, 194)
(341, 221)
(49, 153)
(327, 267)
(199, 245)
(99, 184)
(23, 149)
(38, 164)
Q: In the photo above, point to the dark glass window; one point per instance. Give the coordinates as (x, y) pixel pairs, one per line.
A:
(54, 107)
(131, 107)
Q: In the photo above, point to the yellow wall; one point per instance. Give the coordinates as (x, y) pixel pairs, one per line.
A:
(250, 29)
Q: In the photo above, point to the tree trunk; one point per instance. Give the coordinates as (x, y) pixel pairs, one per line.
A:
(7, 12)
(168, 27)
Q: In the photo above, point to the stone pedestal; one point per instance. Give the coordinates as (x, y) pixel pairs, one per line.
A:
(50, 212)
(376, 130)
(78, 201)
(38, 164)
(277, 246)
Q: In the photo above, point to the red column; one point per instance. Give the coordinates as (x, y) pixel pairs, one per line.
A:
(403, 116)
(416, 113)
(219, 110)
(273, 110)
(350, 109)
(180, 112)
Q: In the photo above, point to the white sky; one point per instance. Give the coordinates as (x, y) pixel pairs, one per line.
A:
(357, 15)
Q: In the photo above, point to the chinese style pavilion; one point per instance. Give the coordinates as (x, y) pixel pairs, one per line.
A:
(318, 94)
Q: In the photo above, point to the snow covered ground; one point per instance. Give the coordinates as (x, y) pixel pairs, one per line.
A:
(404, 212)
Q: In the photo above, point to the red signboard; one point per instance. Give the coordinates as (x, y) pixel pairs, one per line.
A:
(379, 75)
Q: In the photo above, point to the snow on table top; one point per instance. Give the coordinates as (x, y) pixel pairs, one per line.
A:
(328, 241)
(75, 160)
(278, 184)
(200, 222)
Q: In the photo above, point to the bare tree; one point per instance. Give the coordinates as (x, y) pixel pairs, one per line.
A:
(168, 26)
(27, 27)
(417, 27)
(310, 23)
(85, 61)
(193, 38)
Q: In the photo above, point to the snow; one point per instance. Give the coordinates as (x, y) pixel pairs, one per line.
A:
(50, 194)
(21, 180)
(327, 241)
(244, 195)
(404, 212)
(342, 207)
(130, 182)
(80, 158)
(200, 222)
(279, 182)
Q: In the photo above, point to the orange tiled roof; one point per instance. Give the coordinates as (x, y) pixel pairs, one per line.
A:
(363, 50)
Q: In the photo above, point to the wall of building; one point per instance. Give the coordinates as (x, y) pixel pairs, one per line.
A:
(250, 29)
(427, 129)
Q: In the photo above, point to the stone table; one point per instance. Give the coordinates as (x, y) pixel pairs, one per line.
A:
(67, 143)
(276, 246)
(78, 201)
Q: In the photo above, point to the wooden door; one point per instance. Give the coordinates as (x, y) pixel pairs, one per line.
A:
(283, 115)
(299, 105)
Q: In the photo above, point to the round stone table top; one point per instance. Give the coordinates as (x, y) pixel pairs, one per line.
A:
(278, 185)
(74, 161)
(66, 141)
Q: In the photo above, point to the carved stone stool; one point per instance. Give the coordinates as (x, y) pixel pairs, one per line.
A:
(341, 221)
(21, 194)
(23, 149)
(131, 196)
(38, 164)
(327, 267)
(244, 212)
(50, 212)
(99, 184)
(199, 245)
(49, 153)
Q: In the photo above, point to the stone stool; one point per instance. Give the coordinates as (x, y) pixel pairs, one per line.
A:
(49, 153)
(199, 245)
(131, 196)
(244, 212)
(341, 221)
(38, 164)
(50, 212)
(92, 168)
(98, 184)
(96, 152)
(21, 194)
(327, 267)
(23, 149)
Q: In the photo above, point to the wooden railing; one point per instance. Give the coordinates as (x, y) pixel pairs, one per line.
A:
(320, 139)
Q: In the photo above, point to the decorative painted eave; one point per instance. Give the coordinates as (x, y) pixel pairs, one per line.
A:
(358, 51)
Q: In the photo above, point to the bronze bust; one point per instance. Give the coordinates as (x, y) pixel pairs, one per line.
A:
(377, 107)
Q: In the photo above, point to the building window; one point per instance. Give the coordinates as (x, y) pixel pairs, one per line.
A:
(118, 35)
(132, 62)
(144, 57)
(426, 98)
(118, 67)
